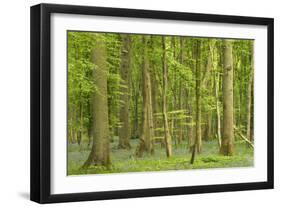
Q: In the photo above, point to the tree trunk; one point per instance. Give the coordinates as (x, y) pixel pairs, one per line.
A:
(80, 129)
(124, 131)
(90, 124)
(136, 90)
(206, 85)
(227, 147)
(208, 128)
(180, 136)
(167, 136)
(217, 80)
(99, 154)
(70, 128)
(155, 92)
(78, 114)
(75, 124)
(147, 130)
(249, 97)
(198, 138)
(189, 119)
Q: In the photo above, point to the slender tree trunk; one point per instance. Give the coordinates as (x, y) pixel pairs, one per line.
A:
(155, 91)
(227, 147)
(147, 130)
(217, 80)
(241, 95)
(208, 128)
(78, 114)
(249, 97)
(238, 96)
(191, 94)
(206, 85)
(173, 124)
(71, 130)
(180, 136)
(252, 114)
(189, 119)
(124, 131)
(167, 136)
(90, 124)
(80, 130)
(198, 141)
(191, 139)
(99, 154)
(136, 112)
(75, 124)
(136, 90)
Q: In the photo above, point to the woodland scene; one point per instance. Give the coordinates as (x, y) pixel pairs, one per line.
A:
(140, 102)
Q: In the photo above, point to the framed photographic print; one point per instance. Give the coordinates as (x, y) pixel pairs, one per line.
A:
(133, 103)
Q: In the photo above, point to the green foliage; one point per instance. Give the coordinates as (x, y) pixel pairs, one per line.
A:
(125, 160)
(181, 59)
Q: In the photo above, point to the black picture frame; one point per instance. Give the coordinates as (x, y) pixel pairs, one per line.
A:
(41, 99)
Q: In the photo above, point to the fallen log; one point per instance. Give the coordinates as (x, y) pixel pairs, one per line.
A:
(243, 137)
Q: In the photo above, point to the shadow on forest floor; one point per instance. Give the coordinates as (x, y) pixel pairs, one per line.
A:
(126, 161)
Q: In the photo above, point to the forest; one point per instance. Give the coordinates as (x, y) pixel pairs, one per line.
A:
(139, 102)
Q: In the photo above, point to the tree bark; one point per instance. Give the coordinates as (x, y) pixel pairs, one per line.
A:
(90, 124)
(99, 154)
(125, 130)
(136, 89)
(147, 130)
(206, 85)
(198, 138)
(80, 120)
(167, 136)
(227, 147)
(249, 97)
(217, 80)
(155, 93)
(180, 136)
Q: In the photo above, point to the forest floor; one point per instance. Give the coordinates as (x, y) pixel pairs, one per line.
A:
(126, 161)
